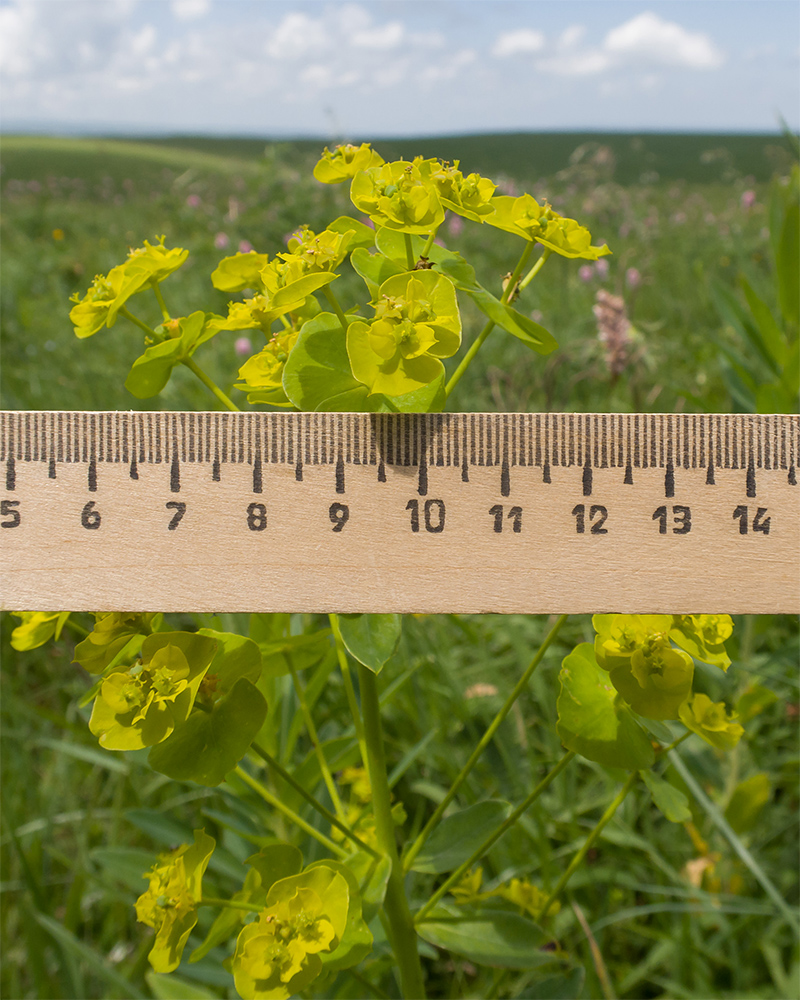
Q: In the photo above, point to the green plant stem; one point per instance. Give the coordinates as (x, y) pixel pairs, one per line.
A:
(229, 903)
(466, 361)
(329, 295)
(312, 801)
(149, 331)
(535, 269)
(161, 303)
(498, 833)
(327, 777)
(519, 687)
(75, 627)
(192, 365)
(429, 242)
(479, 341)
(409, 251)
(290, 814)
(403, 935)
(733, 839)
(573, 866)
(344, 666)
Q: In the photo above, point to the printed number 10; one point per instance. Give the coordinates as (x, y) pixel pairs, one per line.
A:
(433, 512)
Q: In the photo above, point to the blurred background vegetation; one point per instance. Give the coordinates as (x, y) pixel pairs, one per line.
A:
(673, 910)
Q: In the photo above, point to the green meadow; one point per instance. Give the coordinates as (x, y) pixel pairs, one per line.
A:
(661, 910)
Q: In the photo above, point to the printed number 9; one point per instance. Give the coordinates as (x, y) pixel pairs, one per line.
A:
(339, 514)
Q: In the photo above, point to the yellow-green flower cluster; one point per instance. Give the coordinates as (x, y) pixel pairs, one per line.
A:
(655, 678)
(525, 217)
(170, 904)
(145, 266)
(37, 627)
(138, 706)
(261, 375)
(278, 954)
(519, 891)
(416, 323)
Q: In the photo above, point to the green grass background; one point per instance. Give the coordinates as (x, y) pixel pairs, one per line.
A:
(80, 825)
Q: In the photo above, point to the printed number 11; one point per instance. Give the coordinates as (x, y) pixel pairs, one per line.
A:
(515, 515)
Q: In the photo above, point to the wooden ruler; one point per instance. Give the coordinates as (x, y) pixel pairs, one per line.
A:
(423, 513)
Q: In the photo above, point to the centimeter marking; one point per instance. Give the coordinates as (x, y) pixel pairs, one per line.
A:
(543, 440)
(316, 512)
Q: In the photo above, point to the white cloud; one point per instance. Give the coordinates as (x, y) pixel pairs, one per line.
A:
(297, 35)
(571, 36)
(518, 42)
(389, 36)
(587, 63)
(448, 69)
(189, 10)
(650, 37)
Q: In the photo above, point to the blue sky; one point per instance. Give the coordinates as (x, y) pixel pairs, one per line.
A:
(398, 67)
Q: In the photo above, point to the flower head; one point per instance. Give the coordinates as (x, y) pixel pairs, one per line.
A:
(527, 218)
(140, 705)
(398, 196)
(710, 721)
(170, 904)
(345, 162)
(416, 323)
(37, 627)
(278, 954)
(261, 375)
(108, 294)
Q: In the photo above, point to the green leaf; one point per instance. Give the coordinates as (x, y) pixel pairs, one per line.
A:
(566, 986)
(488, 937)
(593, 721)
(237, 656)
(787, 258)
(669, 799)
(318, 368)
(371, 639)
(363, 236)
(747, 801)
(97, 963)
(356, 941)
(151, 372)
(209, 745)
(531, 334)
(772, 336)
(295, 293)
(171, 987)
(429, 399)
(276, 861)
(374, 268)
(124, 864)
(458, 836)
(373, 877)
(305, 651)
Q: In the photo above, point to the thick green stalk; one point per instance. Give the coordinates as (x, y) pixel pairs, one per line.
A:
(409, 251)
(466, 361)
(535, 269)
(573, 866)
(429, 243)
(347, 677)
(124, 311)
(192, 365)
(290, 814)
(327, 777)
(414, 850)
(498, 833)
(229, 903)
(403, 936)
(479, 341)
(320, 808)
(328, 293)
(162, 305)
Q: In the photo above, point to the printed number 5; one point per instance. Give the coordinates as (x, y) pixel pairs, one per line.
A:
(7, 510)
